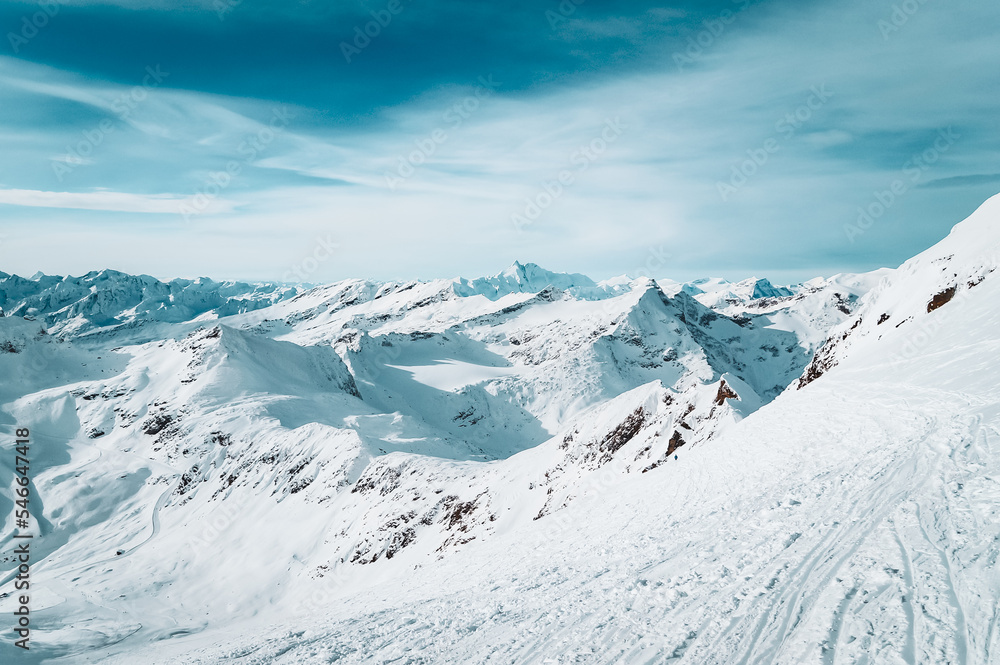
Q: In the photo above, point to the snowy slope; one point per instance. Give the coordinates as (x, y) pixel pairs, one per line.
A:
(855, 520)
(527, 468)
(907, 308)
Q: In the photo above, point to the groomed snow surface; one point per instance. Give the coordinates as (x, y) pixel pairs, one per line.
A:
(271, 514)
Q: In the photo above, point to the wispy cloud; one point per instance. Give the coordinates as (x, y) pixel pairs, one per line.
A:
(100, 200)
(474, 160)
(963, 180)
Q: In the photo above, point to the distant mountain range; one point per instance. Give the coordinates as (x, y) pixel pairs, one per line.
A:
(700, 472)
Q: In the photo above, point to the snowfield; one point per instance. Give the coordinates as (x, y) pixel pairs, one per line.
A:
(529, 468)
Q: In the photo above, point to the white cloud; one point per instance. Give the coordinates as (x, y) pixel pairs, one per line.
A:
(656, 184)
(74, 160)
(102, 200)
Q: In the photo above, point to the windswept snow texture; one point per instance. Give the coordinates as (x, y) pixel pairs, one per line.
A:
(526, 468)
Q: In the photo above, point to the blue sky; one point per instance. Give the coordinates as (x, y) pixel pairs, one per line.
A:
(277, 140)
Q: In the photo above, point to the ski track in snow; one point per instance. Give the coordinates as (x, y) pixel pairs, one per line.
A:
(479, 472)
(747, 600)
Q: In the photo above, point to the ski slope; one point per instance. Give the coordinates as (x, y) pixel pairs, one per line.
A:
(854, 521)
(529, 468)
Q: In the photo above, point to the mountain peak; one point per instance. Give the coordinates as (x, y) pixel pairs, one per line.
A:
(533, 273)
(522, 278)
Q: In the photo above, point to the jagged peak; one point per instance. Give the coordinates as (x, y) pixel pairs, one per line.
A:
(533, 274)
(521, 278)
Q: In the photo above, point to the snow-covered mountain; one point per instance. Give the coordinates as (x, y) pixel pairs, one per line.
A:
(531, 467)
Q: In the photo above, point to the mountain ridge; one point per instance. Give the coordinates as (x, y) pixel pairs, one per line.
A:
(635, 458)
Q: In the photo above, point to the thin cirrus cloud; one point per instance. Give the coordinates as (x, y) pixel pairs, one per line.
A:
(375, 153)
(100, 200)
(962, 180)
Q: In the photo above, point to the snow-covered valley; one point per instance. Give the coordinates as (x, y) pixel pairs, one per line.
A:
(525, 468)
